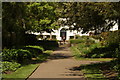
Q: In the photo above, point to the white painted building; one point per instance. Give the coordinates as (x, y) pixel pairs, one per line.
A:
(64, 31)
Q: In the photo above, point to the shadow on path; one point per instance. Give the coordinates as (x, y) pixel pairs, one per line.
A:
(58, 67)
(61, 53)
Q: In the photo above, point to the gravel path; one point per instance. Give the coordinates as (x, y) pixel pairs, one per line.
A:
(60, 65)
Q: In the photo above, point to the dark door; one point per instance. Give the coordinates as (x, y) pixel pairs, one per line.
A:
(63, 33)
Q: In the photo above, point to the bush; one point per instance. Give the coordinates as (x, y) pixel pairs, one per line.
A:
(48, 44)
(30, 39)
(113, 38)
(82, 39)
(76, 52)
(23, 55)
(35, 50)
(10, 66)
(9, 54)
(76, 41)
(16, 55)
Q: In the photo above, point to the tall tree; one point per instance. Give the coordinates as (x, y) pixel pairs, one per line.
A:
(19, 17)
(90, 15)
(42, 16)
(12, 22)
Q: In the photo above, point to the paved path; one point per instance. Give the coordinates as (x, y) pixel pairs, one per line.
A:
(60, 65)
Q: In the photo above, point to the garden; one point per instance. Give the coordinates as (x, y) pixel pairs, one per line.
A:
(104, 45)
(21, 61)
(22, 51)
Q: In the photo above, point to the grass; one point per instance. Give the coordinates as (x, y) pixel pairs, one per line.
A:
(97, 71)
(92, 72)
(77, 55)
(95, 59)
(21, 73)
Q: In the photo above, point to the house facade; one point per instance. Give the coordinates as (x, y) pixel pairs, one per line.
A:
(64, 31)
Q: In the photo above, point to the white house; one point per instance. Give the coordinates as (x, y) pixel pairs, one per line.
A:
(68, 34)
(63, 31)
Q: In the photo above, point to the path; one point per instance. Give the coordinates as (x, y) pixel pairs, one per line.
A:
(60, 66)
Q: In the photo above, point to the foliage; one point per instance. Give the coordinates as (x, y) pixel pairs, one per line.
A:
(20, 18)
(89, 49)
(10, 66)
(73, 41)
(41, 14)
(43, 57)
(91, 15)
(76, 52)
(21, 73)
(48, 44)
(23, 55)
(16, 55)
(109, 41)
(48, 51)
(35, 50)
(8, 55)
(30, 39)
(97, 70)
(13, 29)
(113, 38)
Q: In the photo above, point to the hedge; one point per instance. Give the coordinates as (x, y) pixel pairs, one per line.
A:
(16, 55)
(48, 44)
(35, 50)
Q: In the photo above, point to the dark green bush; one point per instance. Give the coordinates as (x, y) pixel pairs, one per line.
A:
(9, 54)
(10, 66)
(30, 39)
(113, 38)
(16, 55)
(23, 55)
(35, 50)
(48, 44)
(82, 39)
(98, 37)
(76, 41)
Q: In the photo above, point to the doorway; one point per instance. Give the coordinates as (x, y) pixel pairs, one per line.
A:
(63, 33)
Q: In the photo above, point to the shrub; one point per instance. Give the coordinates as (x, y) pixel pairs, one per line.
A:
(76, 52)
(35, 50)
(30, 39)
(10, 66)
(113, 38)
(17, 55)
(9, 54)
(48, 44)
(82, 39)
(76, 41)
(23, 55)
(98, 37)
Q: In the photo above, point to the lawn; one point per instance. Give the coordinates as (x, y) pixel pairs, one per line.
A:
(95, 59)
(100, 71)
(21, 73)
(27, 69)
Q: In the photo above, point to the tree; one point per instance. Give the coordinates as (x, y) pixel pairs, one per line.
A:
(42, 16)
(12, 23)
(90, 16)
(30, 16)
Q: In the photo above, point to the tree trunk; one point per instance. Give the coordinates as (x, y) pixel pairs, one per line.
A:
(119, 23)
(50, 36)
